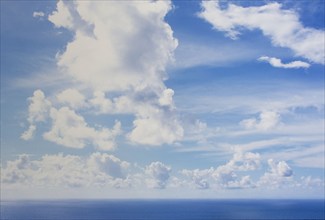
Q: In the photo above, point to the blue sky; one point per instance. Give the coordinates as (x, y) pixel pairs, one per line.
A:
(180, 99)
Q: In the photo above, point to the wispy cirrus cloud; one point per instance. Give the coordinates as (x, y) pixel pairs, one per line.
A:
(275, 62)
(285, 30)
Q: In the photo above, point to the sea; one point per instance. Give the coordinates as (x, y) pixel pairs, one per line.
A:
(162, 209)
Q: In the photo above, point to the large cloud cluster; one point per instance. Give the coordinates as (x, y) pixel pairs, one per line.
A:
(66, 170)
(117, 60)
(107, 171)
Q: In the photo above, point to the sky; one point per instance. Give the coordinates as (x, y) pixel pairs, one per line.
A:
(162, 99)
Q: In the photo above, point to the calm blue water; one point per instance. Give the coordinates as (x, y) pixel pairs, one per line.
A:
(163, 209)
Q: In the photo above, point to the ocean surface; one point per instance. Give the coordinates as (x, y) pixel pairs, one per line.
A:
(162, 209)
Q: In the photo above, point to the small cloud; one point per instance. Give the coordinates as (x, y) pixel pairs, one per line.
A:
(281, 168)
(29, 133)
(275, 62)
(38, 14)
(267, 120)
(38, 111)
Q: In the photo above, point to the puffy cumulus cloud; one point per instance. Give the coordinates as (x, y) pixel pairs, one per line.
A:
(267, 120)
(29, 133)
(105, 56)
(70, 129)
(245, 161)
(280, 169)
(124, 77)
(310, 182)
(101, 103)
(108, 164)
(200, 178)
(13, 172)
(38, 111)
(285, 30)
(275, 62)
(158, 175)
(155, 122)
(62, 17)
(167, 98)
(279, 175)
(154, 127)
(105, 170)
(66, 170)
(226, 176)
(72, 98)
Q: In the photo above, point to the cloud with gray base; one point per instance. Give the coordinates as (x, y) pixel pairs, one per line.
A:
(117, 76)
(159, 174)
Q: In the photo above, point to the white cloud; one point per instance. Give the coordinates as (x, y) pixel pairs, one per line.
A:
(61, 17)
(156, 121)
(100, 102)
(29, 133)
(106, 57)
(285, 30)
(226, 176)
(38, 14)
(66, 171)
(70, 129)
(108, 164)
(107, 171)
(275, 62)
(119, 105)
(154, 127)
(200, 178)
(72, 98)
(267, 120)
(167, 98)
(38, 111)
(124, 77)
(159, 175)
(244, 161)
(38, 108)
(310, 182)
(280, 175)
(280, 169)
